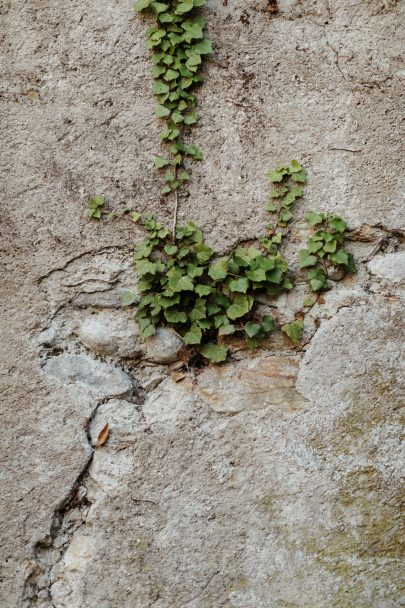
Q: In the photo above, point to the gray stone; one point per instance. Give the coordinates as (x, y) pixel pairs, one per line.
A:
(99, 378)
(390, 266)
(164, 347)
(111, 333)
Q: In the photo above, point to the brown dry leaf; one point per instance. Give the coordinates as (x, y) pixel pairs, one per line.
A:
(103, 435)
(177, 376)
(321, 300)
(177, 365)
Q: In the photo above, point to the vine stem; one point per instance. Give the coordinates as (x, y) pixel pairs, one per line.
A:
(176, 207)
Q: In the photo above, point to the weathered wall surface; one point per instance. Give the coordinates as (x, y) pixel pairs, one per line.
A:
(273, 481)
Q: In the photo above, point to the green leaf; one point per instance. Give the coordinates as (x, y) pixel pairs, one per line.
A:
(305, 259)
(194, 151)
(314, 246)
(166, 190)
(241, 304)
(240, 285)
(177, 282)
(175, 316)
(314, 218)
(193, 336)
(274, 276)
(317, 284)
(275, 176)
(203, 252)
(257, 275)
(271, 207)
(190, 119)
(147, 331)
(203, 290)
(253, 343)
(194, 271)
(157, 71)
(199, 311)
(214, 352)
(162, 112)
(268, 323)
(204, 47)
(330, 247)
(129, 297)
(184, 7)
(184, 176)
(171, 249)
(226, 330)
(169, 176)
(252, 329)
(337, 223)
(94, 206)
(171, 75)
(219, 270)
(276, 193)
(143, 250)
(135, 216)
(140, 5)
(285, 217)
(294, 166)
(340, 257)
(300, 177)
(266, 263)
(159, 7)
(293, 330)
(193, 31)
(160, 163)
(160, 87)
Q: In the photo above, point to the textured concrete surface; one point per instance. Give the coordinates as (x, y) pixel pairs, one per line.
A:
(273, 481)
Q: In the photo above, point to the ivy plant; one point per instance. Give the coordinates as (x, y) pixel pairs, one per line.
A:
(325, 250)
(182, 284)
(178, 45)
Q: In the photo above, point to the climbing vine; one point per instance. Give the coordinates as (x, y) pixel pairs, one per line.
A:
(184, 285)
(177, 45)
(182, 282)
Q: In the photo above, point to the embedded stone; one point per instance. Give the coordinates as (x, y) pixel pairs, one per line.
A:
(390, 266)
(102, 379)
(110, 333)
(252, 384)
(164, 347)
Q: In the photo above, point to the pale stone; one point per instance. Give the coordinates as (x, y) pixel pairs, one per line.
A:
(111, 333)
(164, 347)
(252, 384)
(100, 378)
(390, 266)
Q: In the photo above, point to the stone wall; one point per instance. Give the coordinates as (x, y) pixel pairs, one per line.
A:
(273, 481)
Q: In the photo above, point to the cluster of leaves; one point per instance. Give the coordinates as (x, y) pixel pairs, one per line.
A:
(181, 287)
(95, 207)
(286, 184)
(178, 44)
(325, 250)
(284, 191)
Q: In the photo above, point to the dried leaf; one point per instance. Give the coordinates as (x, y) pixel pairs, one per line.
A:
(178, 376)
(103, 435)
(177, 365)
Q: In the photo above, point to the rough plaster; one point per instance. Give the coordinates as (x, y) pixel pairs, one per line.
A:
(273, 481)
